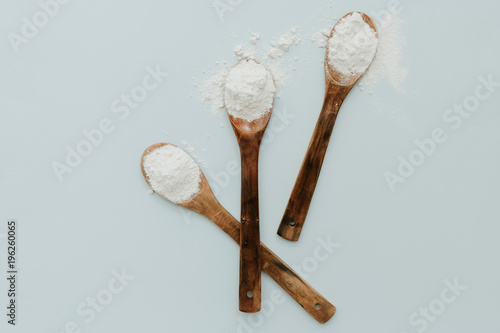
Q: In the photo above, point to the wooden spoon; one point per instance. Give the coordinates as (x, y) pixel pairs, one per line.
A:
(249, 135)
(338, 86)
(205, 203)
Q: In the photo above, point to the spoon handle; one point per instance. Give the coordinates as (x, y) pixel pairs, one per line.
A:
(303, 190)
(250, 281)
(311, 300)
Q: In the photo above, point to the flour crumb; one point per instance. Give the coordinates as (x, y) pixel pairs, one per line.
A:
(321, 37)
(276, 53)
(255, 38)
(241, 53)
(284, 43)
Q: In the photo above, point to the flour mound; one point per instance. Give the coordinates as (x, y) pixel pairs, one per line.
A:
(352, 46)
(249, 90)
(172, 173)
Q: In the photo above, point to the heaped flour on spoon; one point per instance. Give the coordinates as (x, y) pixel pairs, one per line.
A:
(249, 90)
(172, 173)
(352, 46)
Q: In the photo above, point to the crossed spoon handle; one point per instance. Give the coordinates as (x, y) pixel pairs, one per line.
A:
(312, 301)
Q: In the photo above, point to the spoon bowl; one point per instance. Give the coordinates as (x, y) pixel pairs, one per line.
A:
(245, 128)
(331, 73)
(194, 202)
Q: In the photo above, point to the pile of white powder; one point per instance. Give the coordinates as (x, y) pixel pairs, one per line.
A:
(389, 55)
(352, 46)
(172, 173)
(213, 88)
(249, 90)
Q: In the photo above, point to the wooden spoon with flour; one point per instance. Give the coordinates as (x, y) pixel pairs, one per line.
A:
(175, 176)
(350, 50)
(249, 97)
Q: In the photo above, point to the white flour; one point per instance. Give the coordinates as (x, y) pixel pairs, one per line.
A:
(172, 173)
(321, 37)
(352, 46)
(242, 52)
(249, 90)
(285, 42)
(255, 38)
(387, 61)
(213, 89)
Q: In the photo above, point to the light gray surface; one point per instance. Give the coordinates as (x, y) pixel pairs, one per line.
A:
(394, 249)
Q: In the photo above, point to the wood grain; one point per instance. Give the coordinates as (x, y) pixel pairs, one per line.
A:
(250, 266)
(337, 87)
(249, 135)
(305, 184)
(205, 203)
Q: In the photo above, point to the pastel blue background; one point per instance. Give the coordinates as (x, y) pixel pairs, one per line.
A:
(396, 248)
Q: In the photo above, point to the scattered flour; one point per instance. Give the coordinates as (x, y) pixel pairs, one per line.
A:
(283, 45)
(172, 173)
(242, 52)
(321, 37)
(387, 62)
(249, 90)
(255, 38)
(352, 46)
(212, 89)
(349, 60)
(190, 148)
